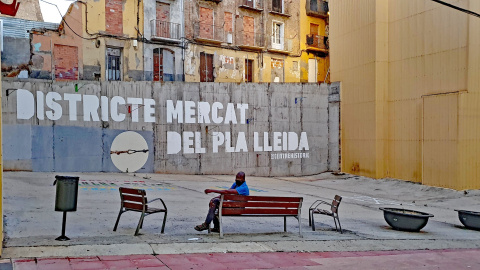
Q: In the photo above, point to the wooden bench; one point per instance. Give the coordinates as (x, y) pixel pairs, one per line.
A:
(260, 206)
(136, 200)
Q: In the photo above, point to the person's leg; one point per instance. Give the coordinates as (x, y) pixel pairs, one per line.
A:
(211, 211)
(210, 216)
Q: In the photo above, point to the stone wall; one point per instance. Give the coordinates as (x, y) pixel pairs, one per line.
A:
(188, 128)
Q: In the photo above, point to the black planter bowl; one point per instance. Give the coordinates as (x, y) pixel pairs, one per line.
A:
(469, 219)
(405, 220)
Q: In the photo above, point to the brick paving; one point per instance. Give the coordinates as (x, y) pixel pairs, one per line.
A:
(411, 259)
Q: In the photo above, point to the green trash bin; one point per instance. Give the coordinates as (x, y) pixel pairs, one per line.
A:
(67, 193)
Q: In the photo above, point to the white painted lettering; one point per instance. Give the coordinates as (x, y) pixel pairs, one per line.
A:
(25, 104)
(104, 102)
(198, 143)
(174, 142)
(266, 146)
(277, 141)
(116, 116)
(56, 112)
(256, 146)
(90, 108)
(215, 107)
(174, 112)
(149, 110)
(189, 112)
(203, 113)
(72, 105)
(230, 115)
(188, 142)
(292, 141)
(40, 105)
(303, 144)
(243, 108)
(228, 143)
(241, 143)
(217, 139)
(134, 109)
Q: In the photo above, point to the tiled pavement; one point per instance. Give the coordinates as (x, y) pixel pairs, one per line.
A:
(413, 259)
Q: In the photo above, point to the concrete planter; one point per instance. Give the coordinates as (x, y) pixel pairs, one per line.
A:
(404, 219)
(469, 219)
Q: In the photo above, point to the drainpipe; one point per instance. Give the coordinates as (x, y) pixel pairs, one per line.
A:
(183, 40)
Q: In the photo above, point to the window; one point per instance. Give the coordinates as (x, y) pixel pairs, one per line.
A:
(277, 35)
(114, 17)
(206, 23)
(163, 65)
(206, 67)
(162, 23)
(114, 64)
(248, 70)
(249, 3)
(277, 6)
(313, 5)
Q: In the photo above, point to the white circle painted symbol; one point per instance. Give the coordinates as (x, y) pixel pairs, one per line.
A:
(129, 151)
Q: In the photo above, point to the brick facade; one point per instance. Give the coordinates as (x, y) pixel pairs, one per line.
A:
(66, 62)
(114, 17)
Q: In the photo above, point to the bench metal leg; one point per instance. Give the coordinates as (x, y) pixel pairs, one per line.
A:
(164, 220)
(310, 217)
(300, 226)
(313, 222)
(339, 224)
(118, 219)
(140, 222)
(285, 223)
(221, 225)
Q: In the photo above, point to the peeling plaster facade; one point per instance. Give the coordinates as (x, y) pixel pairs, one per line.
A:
(247, 40)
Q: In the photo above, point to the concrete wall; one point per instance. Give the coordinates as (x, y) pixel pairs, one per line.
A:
(33, 141)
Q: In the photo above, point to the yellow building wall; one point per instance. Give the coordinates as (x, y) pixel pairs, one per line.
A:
(132, 56)
(323, 63)
(410, 89)
(353, 62)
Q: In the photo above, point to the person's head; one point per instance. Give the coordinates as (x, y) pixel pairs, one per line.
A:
(240, 178)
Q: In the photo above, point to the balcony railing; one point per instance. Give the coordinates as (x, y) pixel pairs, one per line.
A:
(317, 8)
(250, 39)
(256, 5)
(281, 45)
(209, 33)
(317, 42)
(165, 30)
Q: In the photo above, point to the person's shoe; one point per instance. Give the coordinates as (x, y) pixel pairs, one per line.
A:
(201, 227)
(217, 230)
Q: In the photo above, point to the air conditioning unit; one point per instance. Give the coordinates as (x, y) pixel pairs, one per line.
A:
(229, 38)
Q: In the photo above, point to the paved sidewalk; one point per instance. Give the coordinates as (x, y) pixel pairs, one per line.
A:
(398, 260)
(31, 224)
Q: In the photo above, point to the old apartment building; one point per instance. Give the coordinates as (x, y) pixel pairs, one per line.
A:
(242, 41)
(185, 40)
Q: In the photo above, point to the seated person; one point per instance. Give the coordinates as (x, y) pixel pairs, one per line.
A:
(239, 187)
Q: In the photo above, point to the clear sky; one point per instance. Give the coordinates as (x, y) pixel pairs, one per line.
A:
(50, 12)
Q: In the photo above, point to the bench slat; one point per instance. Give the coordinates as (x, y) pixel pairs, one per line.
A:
(134, 206)
(124, 190)
(230, 197)
(237, 204)
(258, 211)
(134, 198)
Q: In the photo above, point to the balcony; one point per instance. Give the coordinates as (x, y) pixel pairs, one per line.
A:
(280, 8)
(166, 31)
(253, 5)
(250, 41)
(209, 33)
(317, 8)
(281, 45)
(317, 43)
